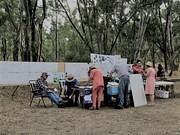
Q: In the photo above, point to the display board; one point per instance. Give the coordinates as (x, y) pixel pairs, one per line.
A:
(14, 72)
(79, 70)
(99, 58)
(107, 62)
(21, 72)
(36, 68)
(137, 87)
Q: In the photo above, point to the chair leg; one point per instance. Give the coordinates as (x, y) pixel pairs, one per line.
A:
(31, 100)
(43, 101)
(39, 101)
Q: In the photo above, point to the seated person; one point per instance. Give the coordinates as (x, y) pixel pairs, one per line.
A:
(42, 85)
(69, 91)
(160, 72)
(137, 68)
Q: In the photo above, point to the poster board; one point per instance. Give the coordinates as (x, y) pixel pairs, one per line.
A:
(137, 87)
(99, 58)
(13, 73)
(79, 70)
(107, 62)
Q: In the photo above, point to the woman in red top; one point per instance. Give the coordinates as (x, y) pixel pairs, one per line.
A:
(96, 76)
(137, 68)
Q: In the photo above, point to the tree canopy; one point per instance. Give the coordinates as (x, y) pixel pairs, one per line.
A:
(134, 29)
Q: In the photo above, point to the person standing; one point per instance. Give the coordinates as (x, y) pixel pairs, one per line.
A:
(150, 81)
(122, 71)
(96, 76)
(137, 67)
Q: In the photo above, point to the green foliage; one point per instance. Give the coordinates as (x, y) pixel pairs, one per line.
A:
(104, 26)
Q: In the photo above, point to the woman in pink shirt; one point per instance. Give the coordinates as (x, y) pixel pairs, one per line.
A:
(150, 81)
(96, 76)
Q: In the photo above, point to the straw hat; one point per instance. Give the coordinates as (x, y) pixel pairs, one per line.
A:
(149, 64)
(70, 78)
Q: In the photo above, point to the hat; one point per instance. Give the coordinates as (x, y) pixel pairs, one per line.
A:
(44, 73)
(92, 67)
(149, 64)
(139, 62)
(70, 78)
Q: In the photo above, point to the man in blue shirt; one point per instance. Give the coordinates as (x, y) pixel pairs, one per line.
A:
(122, 71)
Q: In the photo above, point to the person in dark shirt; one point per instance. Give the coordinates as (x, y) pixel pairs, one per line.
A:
(160, 72)
(42, 85)
(70, 91)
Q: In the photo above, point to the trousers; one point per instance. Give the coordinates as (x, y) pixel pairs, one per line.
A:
(122, 98)
(54, 97)
(97, 95)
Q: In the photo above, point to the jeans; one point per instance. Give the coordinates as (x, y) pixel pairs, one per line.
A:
(122, 99)
(53, 96)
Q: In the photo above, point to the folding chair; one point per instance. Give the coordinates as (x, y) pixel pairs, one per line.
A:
(36, 93)
(61, 87)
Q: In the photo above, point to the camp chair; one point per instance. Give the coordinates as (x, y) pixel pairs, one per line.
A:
(35, 93)
(61, 87)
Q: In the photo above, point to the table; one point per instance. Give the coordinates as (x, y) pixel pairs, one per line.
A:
(165, 86)
(81, 88)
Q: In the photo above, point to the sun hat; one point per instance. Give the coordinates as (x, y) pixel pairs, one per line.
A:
(70, 78)
(149, 64)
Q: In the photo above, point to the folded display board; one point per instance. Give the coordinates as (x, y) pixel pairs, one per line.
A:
(137, 87)
(79, 70)
(12, 73)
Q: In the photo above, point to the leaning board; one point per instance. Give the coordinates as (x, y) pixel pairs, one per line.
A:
(137, 87)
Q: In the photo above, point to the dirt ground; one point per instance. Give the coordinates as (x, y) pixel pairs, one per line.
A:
(16, 117)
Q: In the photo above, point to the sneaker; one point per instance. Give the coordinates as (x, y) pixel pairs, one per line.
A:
(61, 105)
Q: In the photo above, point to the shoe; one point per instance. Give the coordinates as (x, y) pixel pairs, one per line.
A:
(97, 108)
(126, 105)
(92, 108)
(118, 107)
(61, 105)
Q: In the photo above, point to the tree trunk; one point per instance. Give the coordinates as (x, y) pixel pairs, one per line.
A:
(4, 48)
(16, 50)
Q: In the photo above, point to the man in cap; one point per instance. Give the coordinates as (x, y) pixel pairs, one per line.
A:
(42, 85)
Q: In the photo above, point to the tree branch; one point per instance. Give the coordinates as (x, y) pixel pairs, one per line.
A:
(70, 20)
